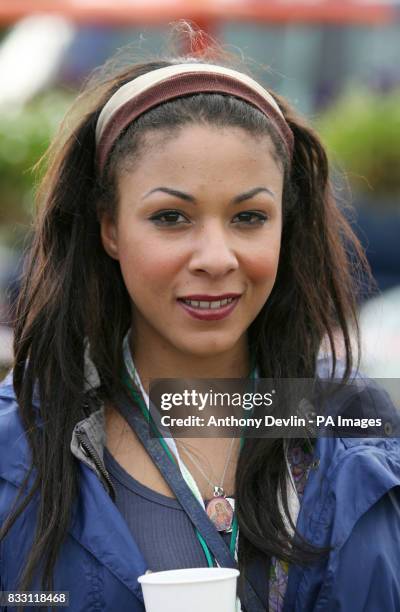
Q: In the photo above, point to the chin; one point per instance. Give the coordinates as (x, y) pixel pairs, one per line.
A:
(208, 347)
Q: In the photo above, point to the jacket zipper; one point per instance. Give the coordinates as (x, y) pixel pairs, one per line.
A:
(92, 454)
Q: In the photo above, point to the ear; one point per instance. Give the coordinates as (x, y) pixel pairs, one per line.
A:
(108, 232)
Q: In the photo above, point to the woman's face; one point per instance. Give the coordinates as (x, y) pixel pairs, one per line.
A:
(198, 223)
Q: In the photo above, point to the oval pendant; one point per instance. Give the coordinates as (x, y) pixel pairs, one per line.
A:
(220, 512)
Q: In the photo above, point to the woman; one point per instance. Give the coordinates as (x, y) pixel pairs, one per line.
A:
(187, 230)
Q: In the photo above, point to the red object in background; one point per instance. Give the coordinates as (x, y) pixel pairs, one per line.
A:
(206, 13)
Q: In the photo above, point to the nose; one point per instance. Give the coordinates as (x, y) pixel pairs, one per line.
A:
(213, 251)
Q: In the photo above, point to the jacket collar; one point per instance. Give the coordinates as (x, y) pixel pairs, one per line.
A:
(91, 429)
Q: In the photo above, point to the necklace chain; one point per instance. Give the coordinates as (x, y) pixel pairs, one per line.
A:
(218, 489)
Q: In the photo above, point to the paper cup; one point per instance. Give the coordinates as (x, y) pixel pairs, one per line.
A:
(202, 589)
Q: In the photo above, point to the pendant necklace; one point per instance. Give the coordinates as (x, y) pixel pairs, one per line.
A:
(220, 509)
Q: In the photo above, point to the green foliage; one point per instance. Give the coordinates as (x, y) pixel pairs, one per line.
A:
(362, 135)
(25, 134)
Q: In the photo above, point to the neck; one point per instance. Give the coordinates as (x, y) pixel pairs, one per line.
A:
(167, 363)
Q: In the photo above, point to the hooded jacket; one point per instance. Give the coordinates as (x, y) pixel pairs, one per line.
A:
(351, 503)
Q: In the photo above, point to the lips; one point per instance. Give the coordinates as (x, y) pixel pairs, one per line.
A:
(209, 308)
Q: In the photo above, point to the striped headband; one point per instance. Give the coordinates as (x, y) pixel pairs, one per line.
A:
(157, 86)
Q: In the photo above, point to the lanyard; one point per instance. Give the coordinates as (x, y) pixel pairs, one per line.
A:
(146, 414)
(169, 469)
(171, 451)
(168, 443)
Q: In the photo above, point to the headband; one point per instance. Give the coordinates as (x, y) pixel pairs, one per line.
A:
(157, 86)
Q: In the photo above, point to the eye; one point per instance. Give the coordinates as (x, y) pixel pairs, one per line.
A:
(168, 218)
(251, 217)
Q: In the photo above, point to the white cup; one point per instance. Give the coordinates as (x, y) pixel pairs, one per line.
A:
(200, 589)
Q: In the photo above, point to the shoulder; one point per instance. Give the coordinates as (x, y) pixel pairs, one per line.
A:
(358, 517)
(354, 473)
(351, 504)
(357, 466)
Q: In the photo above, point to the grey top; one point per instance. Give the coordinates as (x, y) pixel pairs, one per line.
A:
(163, 531)
(160, 527)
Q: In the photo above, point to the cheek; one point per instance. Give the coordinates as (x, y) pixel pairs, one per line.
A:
(262, 264)
(147, 266)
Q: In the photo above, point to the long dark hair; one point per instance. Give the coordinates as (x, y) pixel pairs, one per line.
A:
(73, 292)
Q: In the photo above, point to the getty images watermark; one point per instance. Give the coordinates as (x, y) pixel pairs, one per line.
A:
(283, 408)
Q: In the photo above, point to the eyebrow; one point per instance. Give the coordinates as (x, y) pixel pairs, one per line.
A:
(189, 198)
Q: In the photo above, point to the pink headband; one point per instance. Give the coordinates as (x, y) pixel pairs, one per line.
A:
(157, 86)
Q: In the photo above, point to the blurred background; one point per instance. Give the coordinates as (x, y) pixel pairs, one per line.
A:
(337, 61)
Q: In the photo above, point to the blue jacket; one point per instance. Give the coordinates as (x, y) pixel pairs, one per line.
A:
(351, 502)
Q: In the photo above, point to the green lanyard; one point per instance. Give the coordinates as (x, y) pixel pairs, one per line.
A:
(146, 414)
